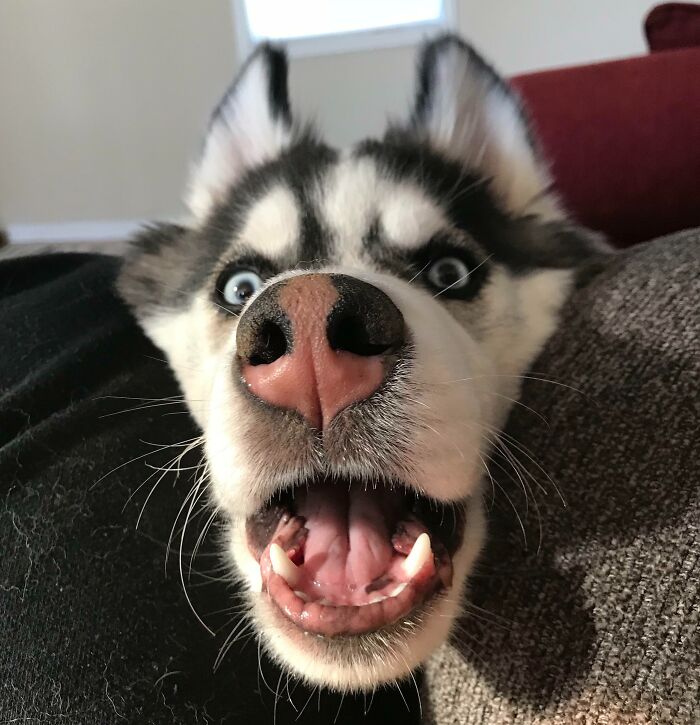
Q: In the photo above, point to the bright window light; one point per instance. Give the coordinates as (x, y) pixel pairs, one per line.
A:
(322, 27)
(293, 19)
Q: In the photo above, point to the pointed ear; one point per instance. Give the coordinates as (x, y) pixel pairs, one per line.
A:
(466, 110)
(251, 124)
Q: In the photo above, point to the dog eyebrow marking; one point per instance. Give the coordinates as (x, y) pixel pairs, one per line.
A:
(364, 202)
(273, 222)
(409, 217)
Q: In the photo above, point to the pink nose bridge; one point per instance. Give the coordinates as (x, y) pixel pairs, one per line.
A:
(313, 378)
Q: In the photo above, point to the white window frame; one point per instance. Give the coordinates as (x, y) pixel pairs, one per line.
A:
(387, 37)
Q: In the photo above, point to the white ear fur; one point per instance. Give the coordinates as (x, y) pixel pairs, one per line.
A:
(466, 110)
(251, 124)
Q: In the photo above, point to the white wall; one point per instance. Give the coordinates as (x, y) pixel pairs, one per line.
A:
(351, 94)
(528, 35)
(102, 103)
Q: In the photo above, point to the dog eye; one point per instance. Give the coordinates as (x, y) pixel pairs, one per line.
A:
(239, 286)
(448, 273)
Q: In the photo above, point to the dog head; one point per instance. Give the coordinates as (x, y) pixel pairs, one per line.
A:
(349, 330)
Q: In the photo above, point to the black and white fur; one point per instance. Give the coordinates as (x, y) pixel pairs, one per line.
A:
(462, 173)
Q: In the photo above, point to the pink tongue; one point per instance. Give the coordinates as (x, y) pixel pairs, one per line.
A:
(348, 544)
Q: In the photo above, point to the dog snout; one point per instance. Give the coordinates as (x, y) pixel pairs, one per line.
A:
(316, 343)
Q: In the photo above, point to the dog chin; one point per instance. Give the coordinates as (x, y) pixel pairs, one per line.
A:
(353, 662)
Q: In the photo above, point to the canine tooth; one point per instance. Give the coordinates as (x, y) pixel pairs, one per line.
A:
(377, 599)
(282, 565)
(398, 589)
(420, 553)
(303, 596)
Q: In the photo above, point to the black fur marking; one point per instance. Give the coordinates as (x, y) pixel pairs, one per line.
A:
(315, 241)
(374, 237)
(385, 256)
(169, 263)
(521, 243)
(275, 60)
(277, 74)
(299, 169)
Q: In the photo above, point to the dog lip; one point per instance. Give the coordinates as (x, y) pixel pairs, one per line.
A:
(330, 620)
(394, 597)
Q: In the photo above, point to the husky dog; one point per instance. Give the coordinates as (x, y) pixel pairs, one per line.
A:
(350, 329)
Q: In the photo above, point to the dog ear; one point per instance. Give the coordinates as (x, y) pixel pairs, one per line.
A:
(251, 124)
(464, 109)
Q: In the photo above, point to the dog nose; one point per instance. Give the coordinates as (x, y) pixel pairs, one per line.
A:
(316, 343)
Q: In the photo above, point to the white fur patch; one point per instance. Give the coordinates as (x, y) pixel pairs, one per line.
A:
(349, 199)
(273, 224)
(356, 195)
(409, 217)
(183, 337)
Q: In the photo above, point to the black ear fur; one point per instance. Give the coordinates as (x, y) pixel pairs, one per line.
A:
(274, 58)
(251, 124)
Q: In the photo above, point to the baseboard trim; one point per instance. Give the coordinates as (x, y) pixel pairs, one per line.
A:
(84, 231)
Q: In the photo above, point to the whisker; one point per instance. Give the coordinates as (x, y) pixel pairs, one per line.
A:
(301, 712)
(160, 447)
(463, 277)
(520, 377)
(420, 271)
(342, 699)
(510, 501)
(147, 406)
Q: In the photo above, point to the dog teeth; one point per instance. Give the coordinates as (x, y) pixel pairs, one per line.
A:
(420, 554)
(398, 589)
(303, 596)
(376, 600)
(282, 565)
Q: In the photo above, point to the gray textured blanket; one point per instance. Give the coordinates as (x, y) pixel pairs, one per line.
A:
(595, 618)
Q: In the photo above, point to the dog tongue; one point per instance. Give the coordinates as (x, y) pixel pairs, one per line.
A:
(349, 542)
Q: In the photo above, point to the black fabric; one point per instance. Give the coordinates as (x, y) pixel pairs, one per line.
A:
(94, 625)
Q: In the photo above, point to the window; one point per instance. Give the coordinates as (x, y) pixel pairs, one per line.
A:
(317, 27)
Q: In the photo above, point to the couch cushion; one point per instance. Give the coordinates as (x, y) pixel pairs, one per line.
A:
(623, 139)
(596, 620)
(673, 25)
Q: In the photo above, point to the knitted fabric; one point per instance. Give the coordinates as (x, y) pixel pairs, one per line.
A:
(596, 620)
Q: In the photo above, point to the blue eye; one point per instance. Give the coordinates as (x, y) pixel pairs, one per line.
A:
(448, 273)
(240, 286)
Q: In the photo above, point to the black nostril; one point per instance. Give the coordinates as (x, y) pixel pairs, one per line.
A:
(364, 321)
(264, 333)
(269, 345)
(348, 332)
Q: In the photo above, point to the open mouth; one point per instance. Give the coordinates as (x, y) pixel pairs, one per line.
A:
(345, 557)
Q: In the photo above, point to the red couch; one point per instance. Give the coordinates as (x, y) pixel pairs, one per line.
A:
(623, 139)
